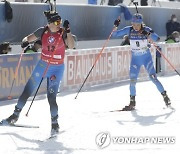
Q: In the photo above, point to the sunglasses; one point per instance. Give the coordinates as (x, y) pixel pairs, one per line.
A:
(56, 23)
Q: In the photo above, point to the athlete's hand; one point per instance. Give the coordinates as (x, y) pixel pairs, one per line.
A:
(66, 26)
(24, 44)
(117, 22)
(145, 33)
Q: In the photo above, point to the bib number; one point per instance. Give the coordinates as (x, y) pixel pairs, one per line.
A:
(51, 48)
(137, 44)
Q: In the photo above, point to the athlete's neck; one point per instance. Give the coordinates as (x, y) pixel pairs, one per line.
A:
(53, 30)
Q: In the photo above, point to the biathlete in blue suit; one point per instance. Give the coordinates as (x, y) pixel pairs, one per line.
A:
(54, 39)
(138, 35)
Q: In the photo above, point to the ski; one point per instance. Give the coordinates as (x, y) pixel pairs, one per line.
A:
(25, 126)
(20, 125)
(49, 138)
(121, 110)
(170, 107)
(167, 107)
(116, 111)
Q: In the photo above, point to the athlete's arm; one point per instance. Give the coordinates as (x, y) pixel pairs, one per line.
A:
(69, 38)
(121, 32)
(32, 37)
(152, 34)
(69, 41)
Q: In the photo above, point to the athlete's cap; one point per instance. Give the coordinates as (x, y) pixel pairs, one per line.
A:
(52, 16)
(137, 18)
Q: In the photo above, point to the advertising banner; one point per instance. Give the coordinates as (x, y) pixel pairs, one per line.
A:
(112, 66)
(8, 65)
(172, 53)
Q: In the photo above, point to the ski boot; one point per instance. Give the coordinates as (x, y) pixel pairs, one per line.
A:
(12, 119)
(54, 126)
(54, 129)
(131, 106)
(166, 99)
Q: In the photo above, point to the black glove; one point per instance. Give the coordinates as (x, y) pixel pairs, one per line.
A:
(145, 33)
(66, 26)
(117, 22)
(24, 44)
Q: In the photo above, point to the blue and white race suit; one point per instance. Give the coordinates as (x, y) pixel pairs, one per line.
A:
(140, 55)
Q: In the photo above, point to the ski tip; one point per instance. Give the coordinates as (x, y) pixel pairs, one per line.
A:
(116, 111)
(170, 107)
(24, 126)
(53, 136)
(122, 110)
(48, 139)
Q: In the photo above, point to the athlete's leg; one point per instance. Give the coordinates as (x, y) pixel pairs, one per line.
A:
(32, 84)
(53, 81)
(149, 66)
(134, 71)
(152, 74)
(55, 76)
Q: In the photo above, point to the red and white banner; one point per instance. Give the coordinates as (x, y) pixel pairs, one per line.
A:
(172, 53)
(112, 65)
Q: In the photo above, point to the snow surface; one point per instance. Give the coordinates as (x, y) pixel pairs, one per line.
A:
(81, 120)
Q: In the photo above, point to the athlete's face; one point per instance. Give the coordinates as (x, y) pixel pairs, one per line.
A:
(136, 26)
(54, 26)
(57, 23)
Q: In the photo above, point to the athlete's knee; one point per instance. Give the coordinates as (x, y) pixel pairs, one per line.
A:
(26, 93)
(133, 82)
(153, 77)
(51, 98)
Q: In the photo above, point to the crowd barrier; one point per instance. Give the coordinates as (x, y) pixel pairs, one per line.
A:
(112, 67)
(172, 52)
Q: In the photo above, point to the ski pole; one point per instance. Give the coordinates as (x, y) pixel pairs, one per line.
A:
(37, 88)
(15, 75)
(97, 58)
(52, 55)
(164, 56)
